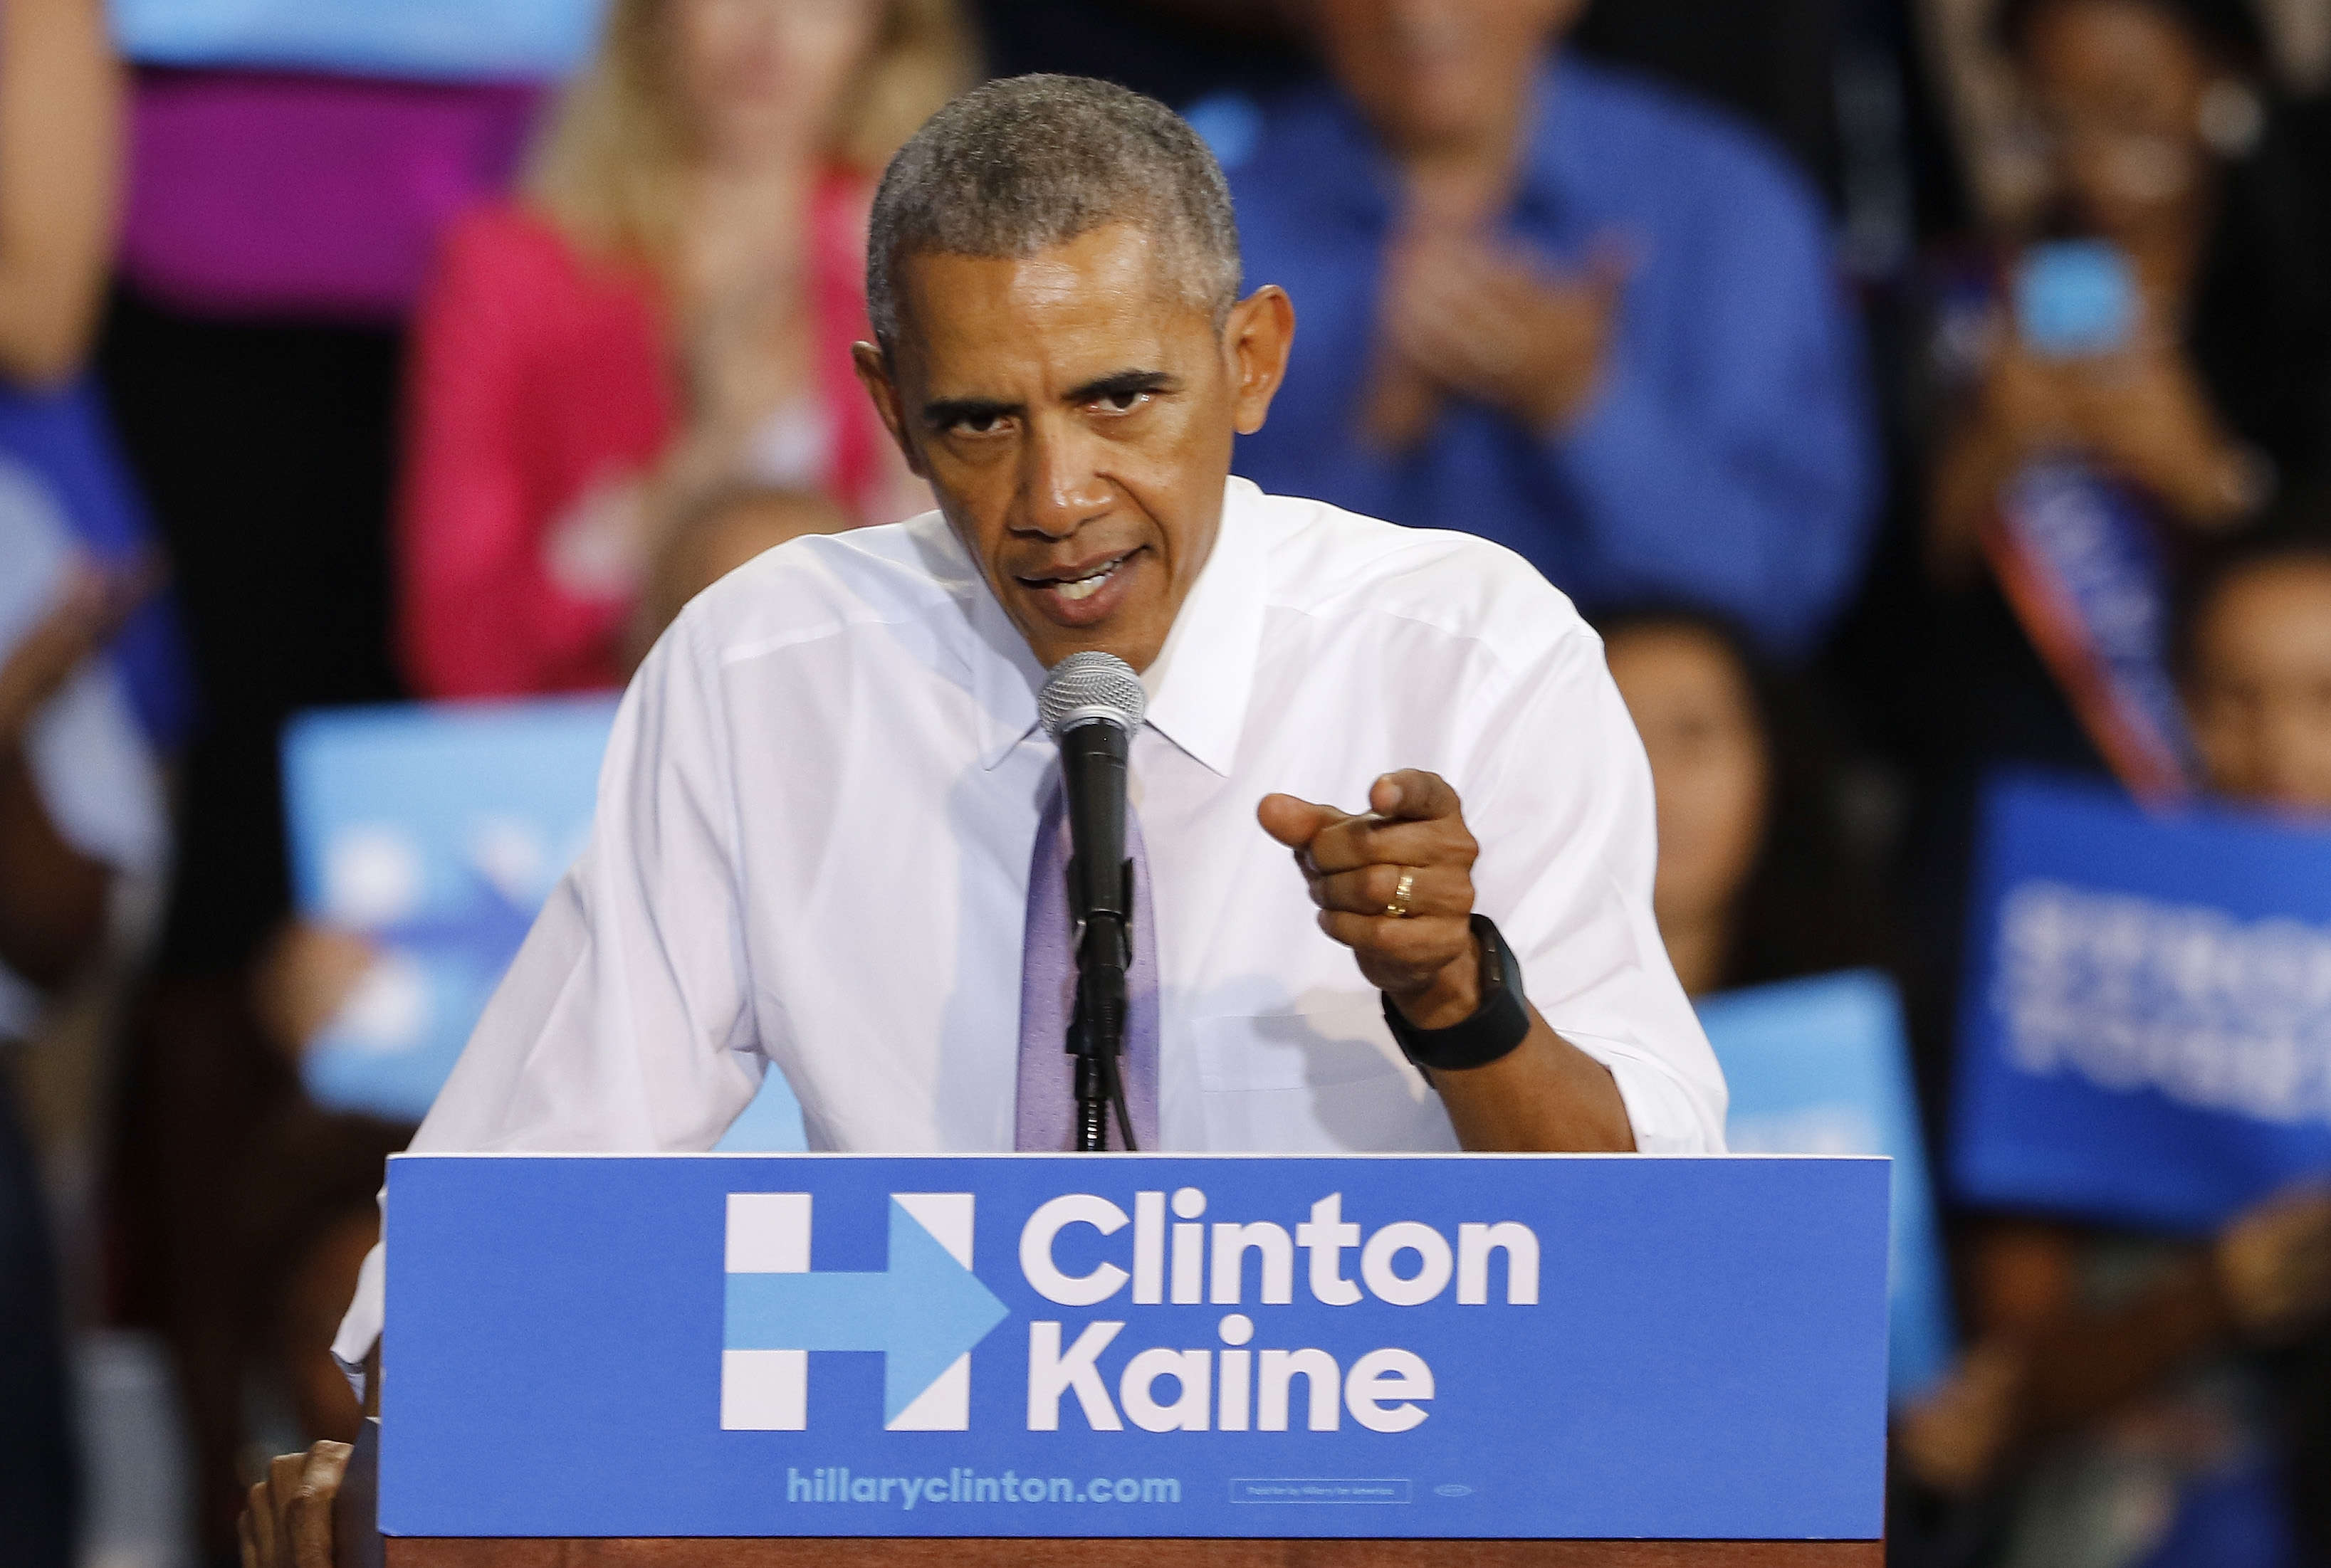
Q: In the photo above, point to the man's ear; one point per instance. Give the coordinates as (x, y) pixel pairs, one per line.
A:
(874, 375)
(1256, 338)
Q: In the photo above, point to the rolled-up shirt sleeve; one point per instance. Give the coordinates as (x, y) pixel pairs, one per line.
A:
(1561, 809)
(622, 1025)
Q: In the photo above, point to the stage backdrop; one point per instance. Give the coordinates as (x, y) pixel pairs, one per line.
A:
(1145, 1345)
(2145, 1032)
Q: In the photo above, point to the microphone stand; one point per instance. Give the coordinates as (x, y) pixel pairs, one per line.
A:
(1097, 1030)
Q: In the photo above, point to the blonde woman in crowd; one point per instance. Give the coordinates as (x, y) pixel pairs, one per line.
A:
(667, 309)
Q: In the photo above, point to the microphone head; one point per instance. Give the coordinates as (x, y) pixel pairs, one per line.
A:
(1088, 688)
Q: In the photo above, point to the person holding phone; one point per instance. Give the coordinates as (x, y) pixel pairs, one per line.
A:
(2194, 366)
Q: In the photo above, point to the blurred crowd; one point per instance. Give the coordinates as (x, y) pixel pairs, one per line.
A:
(1772, 331)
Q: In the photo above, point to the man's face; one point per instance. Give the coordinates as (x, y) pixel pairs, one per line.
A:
(1434, 74)
(1074, 414)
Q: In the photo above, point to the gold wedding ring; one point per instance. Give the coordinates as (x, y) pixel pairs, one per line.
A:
(1398, 907)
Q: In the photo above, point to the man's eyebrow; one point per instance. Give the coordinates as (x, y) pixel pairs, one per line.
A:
(1123, 383)
(942, 411)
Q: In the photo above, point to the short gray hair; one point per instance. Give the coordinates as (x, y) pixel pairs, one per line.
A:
(1029, 162)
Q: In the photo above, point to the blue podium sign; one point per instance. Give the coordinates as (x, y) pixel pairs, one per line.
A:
(2146, 1034)
(1144, 1345)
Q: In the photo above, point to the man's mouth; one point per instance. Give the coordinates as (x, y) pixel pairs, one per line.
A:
(1084, 586)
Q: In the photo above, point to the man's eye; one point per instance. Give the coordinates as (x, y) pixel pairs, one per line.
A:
(979, 423)
(1124, 402)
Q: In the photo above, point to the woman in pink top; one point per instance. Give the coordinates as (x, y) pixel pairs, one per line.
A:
(668, 309)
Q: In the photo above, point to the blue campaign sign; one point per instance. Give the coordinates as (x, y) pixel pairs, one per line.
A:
(2146, 1034)
(1157, 1345)
(436, 830)
(508, 39)
(1823, 1067)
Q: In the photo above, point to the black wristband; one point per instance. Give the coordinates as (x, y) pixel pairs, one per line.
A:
(1497, 1027)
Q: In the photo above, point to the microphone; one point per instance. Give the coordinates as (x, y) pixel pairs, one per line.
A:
(1092, 705)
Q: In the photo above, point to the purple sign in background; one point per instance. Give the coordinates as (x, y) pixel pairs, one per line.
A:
(258, 194)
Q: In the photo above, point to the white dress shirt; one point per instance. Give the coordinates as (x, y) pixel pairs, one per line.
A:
(816, 815)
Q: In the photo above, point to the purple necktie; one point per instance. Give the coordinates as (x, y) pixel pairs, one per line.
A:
(1048, 995)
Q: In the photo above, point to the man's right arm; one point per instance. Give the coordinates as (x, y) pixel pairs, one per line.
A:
(290, 1520)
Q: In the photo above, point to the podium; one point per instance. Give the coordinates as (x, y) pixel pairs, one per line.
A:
(762, 1361)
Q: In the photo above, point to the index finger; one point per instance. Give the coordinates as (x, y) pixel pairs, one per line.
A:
(1412, 795)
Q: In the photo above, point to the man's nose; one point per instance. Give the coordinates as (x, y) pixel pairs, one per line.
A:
(1060, 485)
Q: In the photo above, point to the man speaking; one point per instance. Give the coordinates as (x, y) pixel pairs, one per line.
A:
(828, 832)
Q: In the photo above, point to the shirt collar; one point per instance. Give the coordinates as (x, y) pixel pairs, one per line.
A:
(1004, 675)
(1203, 677)
(1206, 672)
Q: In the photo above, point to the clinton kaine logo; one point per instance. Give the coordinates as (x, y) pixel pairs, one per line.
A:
(924, 1313)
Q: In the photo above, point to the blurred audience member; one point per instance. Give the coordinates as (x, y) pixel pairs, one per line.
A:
(80, 801)
(2119, 1386)
(1552, 304)
(1756, 883)
(2162, 137)
(80, 805)
(2255, 661)
(61, 136)
(670, 306)
(2085, 463)
(2007, 171)
(2131, 1374)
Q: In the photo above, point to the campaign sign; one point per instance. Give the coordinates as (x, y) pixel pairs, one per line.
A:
(436, 830)
(1823, 1067)
(1135, 1345)
(2146, 1034)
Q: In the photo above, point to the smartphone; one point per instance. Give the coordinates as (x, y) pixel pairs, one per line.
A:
(2075, 298)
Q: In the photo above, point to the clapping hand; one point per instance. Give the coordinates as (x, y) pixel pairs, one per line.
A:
(1491, 323)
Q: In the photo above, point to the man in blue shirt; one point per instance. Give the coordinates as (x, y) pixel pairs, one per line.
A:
(1546, 303)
